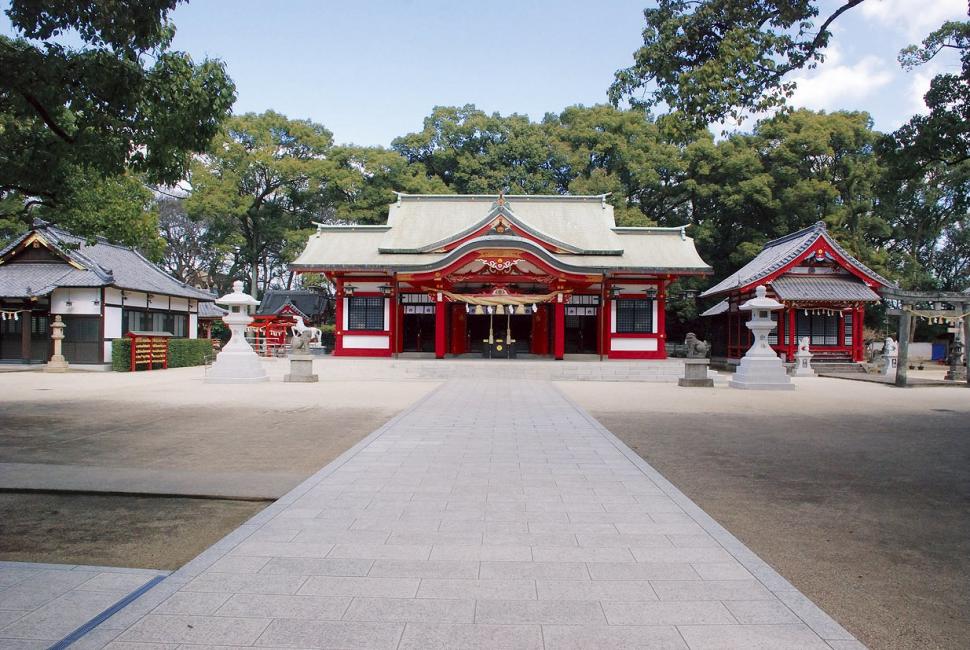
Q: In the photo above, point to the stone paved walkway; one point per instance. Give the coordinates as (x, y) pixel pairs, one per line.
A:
(493, 514)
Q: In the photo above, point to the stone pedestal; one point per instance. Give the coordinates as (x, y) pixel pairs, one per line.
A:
(695, 374)
(237, 363)
(803, 362)
(301, 369)
(57, 363)
(761, 368)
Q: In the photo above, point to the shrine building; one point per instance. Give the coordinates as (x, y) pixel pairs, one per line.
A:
(100, 290)
(500, 276)
(824, 289)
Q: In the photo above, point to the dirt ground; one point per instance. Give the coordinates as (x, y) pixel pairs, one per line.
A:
(134, 532)
(160, 422)
(863, 505)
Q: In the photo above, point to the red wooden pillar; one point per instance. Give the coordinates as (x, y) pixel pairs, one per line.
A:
(792, 343)
(395, 325)
(440, 337)
(338, 330)
(559, 335)
(459, 328)
(858, 345)
(662, 317)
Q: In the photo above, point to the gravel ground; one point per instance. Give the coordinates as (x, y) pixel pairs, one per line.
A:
(858, 494)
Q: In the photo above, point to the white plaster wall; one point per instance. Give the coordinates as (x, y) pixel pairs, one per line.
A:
(633, 345)
(82, 301)
(112, 296)
(365, 287)
(112, 322)
(343, 325)
(613, 317)
(179, 304)
(354, 342)
(346, 313)
(193, 326)
(107, 351)
(136, 299)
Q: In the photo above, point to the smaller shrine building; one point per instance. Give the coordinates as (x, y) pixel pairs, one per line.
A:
(100, 290)
(824, 289)
(501, 276)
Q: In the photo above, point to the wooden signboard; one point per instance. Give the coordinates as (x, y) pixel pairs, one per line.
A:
(149, 349)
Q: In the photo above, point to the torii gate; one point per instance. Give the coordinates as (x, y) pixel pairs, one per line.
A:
(906, 300)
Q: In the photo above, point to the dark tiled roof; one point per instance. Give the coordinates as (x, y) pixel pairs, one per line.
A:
(308, 303)
(103, 264)
(717, 309)
(211, 310)
(782, 251)
(822, 289)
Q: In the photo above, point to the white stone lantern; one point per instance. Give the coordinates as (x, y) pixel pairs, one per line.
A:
(761, 368)
(237, 363)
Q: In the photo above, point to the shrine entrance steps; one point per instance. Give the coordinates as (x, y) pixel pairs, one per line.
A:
(661, 370)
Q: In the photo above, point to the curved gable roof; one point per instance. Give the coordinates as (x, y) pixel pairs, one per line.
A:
(781, 252)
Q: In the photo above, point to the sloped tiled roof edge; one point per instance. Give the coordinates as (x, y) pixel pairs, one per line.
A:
(792, 246)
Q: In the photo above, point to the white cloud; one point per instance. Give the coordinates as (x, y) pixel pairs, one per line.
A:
(836, 85)
(915, 18)
(919, 84)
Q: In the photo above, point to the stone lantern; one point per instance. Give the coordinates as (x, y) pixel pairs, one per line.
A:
(237, 363)
(761, 368)
(57, 363)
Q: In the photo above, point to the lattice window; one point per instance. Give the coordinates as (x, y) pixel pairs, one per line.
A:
(365, 313)
(634, 316)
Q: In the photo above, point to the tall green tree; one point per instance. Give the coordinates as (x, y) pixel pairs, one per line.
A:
(92, 89)
(264, 177)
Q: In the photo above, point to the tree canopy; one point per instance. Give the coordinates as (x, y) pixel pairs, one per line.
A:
(90, 89)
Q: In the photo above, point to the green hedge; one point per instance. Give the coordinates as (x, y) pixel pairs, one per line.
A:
(181, 353)
(328, 337)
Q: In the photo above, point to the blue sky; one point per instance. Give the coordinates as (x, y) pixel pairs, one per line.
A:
(370, 70)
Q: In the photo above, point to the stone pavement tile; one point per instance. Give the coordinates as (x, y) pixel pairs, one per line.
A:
(815, 618)
(761, 612)
(115, 582)
(316, 567)
(194, 603)
(11, 575)
(427, 610)
(506, 612)
(41, 588)
(280, 606)
(693, 541)
(622, 590)
(8, 616)
(309, 535)
(217, 630)
(480, 552)
(711, 590)
(25, 644)
(457, 538)
(238, 564)
(421, 636)
(246, 583)
(530, 539)
(380, 552)
(364, 587)
(61, 616)
(572, 528)
(127, 645)
(528, 570)
(662, 613)
(282, 549)
(627, 541)
(96, 639)
(655, 554)
(614, 637)
(659, 527)
(751, 637)
(722, 571)
(478, 589)
(290, 633)
(581, 554)
(423, 569)
(642, 571)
